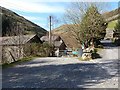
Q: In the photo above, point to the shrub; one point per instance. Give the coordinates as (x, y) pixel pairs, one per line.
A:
(37, 49)
(95, 54)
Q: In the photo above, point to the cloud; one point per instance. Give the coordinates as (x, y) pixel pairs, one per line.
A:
(74, 0)
(39, 6)
(31, 6)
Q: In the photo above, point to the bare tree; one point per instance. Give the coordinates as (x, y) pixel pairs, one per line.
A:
(16, 40)
(74, 17)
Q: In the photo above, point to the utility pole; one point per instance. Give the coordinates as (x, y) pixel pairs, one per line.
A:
(50, 17)
(52, 21)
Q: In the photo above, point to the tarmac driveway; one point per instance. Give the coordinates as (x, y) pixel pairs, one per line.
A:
(53, 72)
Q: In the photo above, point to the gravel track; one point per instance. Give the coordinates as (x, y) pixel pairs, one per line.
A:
(53, 72)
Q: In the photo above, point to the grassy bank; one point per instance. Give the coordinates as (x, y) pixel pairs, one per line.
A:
(112, 24)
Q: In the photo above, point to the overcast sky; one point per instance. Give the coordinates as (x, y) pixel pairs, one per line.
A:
(38, 11)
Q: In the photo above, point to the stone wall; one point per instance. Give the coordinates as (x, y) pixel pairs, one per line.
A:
(11, 53)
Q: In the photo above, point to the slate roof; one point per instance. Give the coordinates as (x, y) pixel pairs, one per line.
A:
(57, 43)
(46, 38)
(67, 36)
(15, 40)
(56, 40)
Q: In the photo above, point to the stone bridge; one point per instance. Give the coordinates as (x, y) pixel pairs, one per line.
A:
(112, 15)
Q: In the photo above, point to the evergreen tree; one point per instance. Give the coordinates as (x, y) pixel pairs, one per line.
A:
(92, 25)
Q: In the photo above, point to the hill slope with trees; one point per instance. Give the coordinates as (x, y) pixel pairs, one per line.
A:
(14, 24)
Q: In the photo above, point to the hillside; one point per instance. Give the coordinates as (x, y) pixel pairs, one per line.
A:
(12, 24)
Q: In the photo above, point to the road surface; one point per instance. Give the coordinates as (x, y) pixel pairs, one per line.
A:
(53, 72)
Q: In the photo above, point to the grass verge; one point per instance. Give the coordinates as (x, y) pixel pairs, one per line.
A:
(26, 59)
(81, 59)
